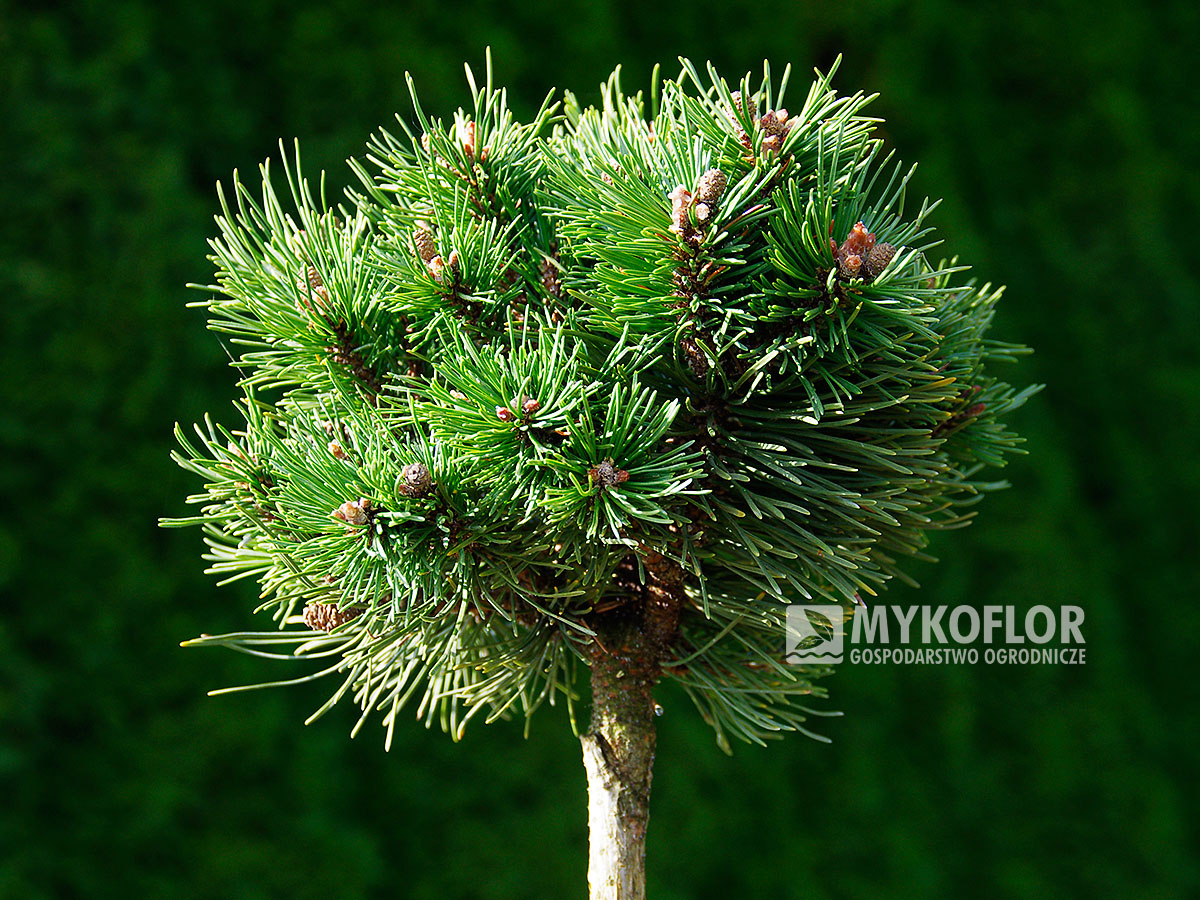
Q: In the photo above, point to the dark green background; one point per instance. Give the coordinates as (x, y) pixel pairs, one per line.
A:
(1064, 137)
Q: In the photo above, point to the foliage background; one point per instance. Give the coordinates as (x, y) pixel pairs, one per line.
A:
(1065, 137)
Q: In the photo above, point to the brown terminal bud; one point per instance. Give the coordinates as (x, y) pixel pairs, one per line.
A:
(850, 255)
(681, 223)
(327, 616)
(504, 414)
(710, 187)
(850, 266)
(530, 406)
(607, 475)
(354, 512)
(466, 134)
(415, 480)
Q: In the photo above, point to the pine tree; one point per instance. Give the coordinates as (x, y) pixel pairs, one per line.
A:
(591, 398)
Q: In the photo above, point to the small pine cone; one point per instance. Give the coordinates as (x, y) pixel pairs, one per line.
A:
(877, 260)
(415, 480)
(354, 512)
(607, 475)
(504, 414)
(326, 616)
(424, 243)
(710, 187)
(530, 406)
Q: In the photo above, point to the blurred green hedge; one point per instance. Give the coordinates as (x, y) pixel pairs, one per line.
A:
(1065, 138)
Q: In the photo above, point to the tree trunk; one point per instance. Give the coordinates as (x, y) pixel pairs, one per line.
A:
(618, 754)
(618, 749)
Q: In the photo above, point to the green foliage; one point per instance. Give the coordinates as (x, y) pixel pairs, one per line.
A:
(705, 330)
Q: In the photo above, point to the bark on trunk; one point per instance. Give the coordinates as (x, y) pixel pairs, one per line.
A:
(618, 749)
(618, 754)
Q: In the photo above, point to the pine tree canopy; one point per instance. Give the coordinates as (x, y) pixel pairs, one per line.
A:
(526, 369)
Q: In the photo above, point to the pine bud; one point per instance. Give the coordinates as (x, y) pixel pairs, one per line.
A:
(850, 266)
(859, 241)
(354, 512)
(739, 108)
(313, 288)
(504, 414)
(336, 450)
(681, 223)
(607, 475)
(416, 481)
(710, 187)
(774, 122)
(530, 406)
(423, 241)
(327, 616)
(681, 199)
(877, 260)
(858, 244)
(466, 135)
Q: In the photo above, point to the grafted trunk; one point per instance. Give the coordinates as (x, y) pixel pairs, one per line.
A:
(618, 754)
(618, 749)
